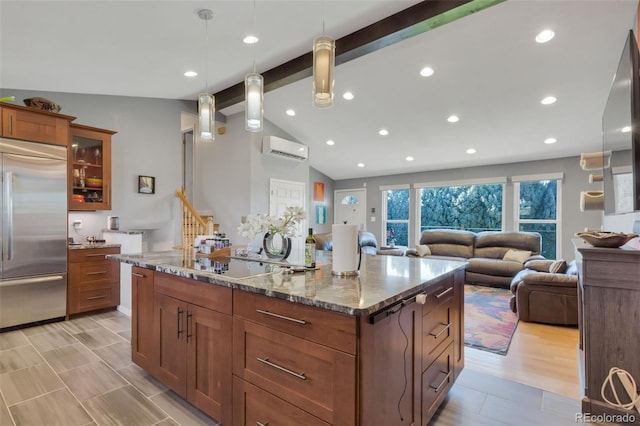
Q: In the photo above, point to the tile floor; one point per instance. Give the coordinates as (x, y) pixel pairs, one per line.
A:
(79, 372)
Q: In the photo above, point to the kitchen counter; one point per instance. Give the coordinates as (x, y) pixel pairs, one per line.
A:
(85, 246)
(383, 280)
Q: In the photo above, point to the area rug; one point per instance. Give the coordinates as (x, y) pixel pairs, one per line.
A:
(489, 323)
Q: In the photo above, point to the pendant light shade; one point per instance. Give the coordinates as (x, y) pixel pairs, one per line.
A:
(206, 111)
(324, 52)
(254, 98)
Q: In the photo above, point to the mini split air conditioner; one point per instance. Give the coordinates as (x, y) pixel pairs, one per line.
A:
(278, 147)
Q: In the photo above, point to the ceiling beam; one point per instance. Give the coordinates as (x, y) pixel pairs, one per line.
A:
(412, 21)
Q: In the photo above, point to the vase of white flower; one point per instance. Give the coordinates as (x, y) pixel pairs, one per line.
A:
(277, 231)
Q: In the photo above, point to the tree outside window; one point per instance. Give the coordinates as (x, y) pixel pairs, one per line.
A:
(538, 212)
(396, 217)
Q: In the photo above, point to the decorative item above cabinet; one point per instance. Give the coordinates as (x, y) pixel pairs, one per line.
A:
(89, 168)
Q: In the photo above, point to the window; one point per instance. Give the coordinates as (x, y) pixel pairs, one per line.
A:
(396, 216)
(476, 207)
(536, 210)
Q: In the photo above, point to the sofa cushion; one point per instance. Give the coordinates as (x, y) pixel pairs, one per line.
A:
(499, 267)
(495, 244)
(449, 242)
(324, 241)
(423, 250)
(517, 255)
(540, 265)
(558, 267)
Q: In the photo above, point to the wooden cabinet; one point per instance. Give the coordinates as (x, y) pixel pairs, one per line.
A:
(24, 123)
(89, 168)
(193, 338)
(609, 296)
(94, 282)
(143, 345)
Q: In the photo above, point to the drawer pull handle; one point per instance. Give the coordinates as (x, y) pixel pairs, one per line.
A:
(278, 367)
(96, 297)
(438, 334)
(438, 296)
(135, 274)
(281, 316)
(95, 255)
(97, 273)
(189, 316)
(262, 424)
(436, 389)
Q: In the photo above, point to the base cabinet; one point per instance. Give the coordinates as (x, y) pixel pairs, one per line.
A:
(194, 342)
(94, 282)
(143, 344)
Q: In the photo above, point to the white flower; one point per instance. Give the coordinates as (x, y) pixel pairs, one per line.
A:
(262, 223)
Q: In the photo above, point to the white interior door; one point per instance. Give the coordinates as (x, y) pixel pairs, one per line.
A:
(350, 206)
(283, 194)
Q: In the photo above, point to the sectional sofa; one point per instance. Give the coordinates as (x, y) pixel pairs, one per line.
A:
(494, 257)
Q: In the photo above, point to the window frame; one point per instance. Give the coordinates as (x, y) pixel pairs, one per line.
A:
(384, 212)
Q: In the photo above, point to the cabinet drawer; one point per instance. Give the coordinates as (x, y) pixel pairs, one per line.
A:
(437, 332)
(253, 406)
(308, 375)
(93, 272)
(321, 326)
(210, 296)
(91, 297)
(436, 382)
(91, 255)
(438, 293)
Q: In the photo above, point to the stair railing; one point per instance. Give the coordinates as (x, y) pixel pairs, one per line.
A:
(192, 223)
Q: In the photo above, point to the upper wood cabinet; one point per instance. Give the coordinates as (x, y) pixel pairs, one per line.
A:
(24, 123)
(89, 168)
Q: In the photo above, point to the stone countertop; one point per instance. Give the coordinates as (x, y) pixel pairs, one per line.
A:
(84, 246)
(383, 280)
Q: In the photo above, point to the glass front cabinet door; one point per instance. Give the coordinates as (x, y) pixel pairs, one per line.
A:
(89, 168)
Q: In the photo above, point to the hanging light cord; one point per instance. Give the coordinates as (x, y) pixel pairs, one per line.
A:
(254, 34)
(206, 54)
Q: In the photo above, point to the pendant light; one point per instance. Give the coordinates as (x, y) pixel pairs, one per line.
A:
(206, 101)
(254, 92)
(324, 56)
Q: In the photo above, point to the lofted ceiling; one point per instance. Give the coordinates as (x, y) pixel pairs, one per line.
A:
(489, 71)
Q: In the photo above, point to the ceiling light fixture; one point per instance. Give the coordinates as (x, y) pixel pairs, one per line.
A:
(549, 141)
(348, 96)
(426, 72)
(626, 129)
(453, 119)
(190, 74)
(206, 101)
(330, 142)
(360, 164)
(471, 151)
(254, 92)
(324, 57)
(250, 39)
(290, 112)
(545, 36)
(383, 132)
(548, 100)
(409, 158)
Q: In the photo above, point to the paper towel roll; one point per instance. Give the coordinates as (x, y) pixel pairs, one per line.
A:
(345, 249)
(591, 200)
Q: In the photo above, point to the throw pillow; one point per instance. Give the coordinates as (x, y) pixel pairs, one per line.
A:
(423, 250)
(519, 256)
(558, 267)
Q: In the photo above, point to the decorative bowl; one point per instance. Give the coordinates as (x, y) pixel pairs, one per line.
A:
(94, 182)
(606, 239)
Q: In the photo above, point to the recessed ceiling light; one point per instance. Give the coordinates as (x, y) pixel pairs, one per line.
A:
(190, 74)
(426, 72)
(347, 95)
(290, 112)
(453, 119)
(471, 151)
(626, 129)
(548, 100)
(545, 36)
(250, 39)
(330, 142)
(360, 164)
(549, 141)
(409, 158)
(383, 132)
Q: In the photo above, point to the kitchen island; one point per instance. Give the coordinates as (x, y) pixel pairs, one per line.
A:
(249, 343)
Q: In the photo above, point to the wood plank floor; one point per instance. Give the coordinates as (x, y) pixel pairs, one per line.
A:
(542, 356)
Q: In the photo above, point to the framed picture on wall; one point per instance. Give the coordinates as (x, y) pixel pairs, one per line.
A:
(146, 184)
(318, 191)
(321, 215)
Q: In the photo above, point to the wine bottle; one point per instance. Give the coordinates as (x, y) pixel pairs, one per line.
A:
(310, 250)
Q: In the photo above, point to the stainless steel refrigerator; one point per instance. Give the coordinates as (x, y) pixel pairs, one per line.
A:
(33, 268)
